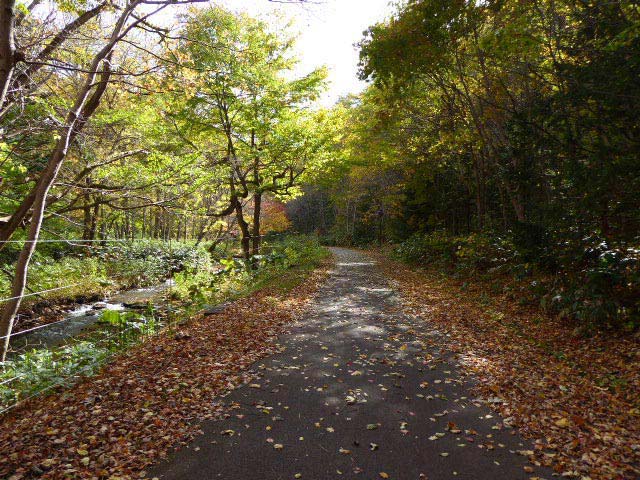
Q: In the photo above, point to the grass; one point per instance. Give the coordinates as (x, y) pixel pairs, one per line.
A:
(284, 265)
(40, 370)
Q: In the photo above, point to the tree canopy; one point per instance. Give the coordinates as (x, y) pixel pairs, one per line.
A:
(515, 121)
(116, 127)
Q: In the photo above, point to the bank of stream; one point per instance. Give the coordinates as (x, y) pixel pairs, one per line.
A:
(85, 318)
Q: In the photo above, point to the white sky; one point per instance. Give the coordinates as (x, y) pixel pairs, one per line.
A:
(328, 31)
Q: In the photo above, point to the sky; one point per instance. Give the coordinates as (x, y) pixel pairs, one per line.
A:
(329, 30)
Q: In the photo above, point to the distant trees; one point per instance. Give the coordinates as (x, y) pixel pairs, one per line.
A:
(504, 116)
(91, 69)
(499, 134)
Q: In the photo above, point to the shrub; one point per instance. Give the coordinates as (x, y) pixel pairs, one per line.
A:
(474, 253)
(599, 284)
(87, 275)
(42, 369)
(148, 262)
(584, 279)
(96, 270)
(233, 276)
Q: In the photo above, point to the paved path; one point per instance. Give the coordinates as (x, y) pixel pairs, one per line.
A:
(355, 395)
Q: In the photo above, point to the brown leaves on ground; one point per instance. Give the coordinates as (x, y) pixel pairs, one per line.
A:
(579, 398)
(150, 399)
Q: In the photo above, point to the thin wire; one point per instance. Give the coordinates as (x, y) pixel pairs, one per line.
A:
(4, 382)
(144, 332)
(67, 378)
(35, 394)
(64, 240)
(38, 293)
(38, 327)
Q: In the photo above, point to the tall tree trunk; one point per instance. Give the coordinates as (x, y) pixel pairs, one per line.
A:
(87, 211)
(245, 240)
(84, 106)
(7, 46)
(94, 221)
(479, 177)
(257, 208)
(25, 78)
(20, 279)
(41, 192)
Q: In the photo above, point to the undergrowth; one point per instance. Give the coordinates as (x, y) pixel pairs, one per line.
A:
(586, 280)
(97, 270)
(283, 264)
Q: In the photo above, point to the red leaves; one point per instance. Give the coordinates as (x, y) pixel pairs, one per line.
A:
(149, 399)
(577, 397)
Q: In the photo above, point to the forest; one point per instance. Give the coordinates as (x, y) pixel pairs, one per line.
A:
(498, 138)
(175, 191)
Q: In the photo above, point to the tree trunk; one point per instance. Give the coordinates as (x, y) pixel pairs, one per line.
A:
(87, 212)
(25, 78)
(83, 107)
(94, 221)
(245, 240)
(257, 207)
(43, 186)
(7, 46)
(478, 169)
(20, 279)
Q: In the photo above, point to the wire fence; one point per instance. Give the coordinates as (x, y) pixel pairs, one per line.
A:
(34, 369)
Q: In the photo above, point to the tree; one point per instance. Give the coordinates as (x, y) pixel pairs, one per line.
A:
(239, 95)
(96, 74)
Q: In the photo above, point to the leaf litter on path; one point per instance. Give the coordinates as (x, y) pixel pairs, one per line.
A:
(578, 398)
(151, 398)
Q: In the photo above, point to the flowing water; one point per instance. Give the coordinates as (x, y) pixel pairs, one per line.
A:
(86, 317)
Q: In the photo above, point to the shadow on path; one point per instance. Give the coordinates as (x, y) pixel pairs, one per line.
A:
(355, 394)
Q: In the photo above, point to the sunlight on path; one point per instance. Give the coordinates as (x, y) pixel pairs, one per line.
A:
(360, 391)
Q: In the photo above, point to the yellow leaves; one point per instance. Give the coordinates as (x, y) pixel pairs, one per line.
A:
(132, 383)
(384, 475)
(563, 423)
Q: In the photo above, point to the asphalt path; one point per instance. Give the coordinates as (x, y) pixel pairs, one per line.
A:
(360, 391)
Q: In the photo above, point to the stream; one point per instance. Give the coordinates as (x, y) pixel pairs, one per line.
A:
(85, 318)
